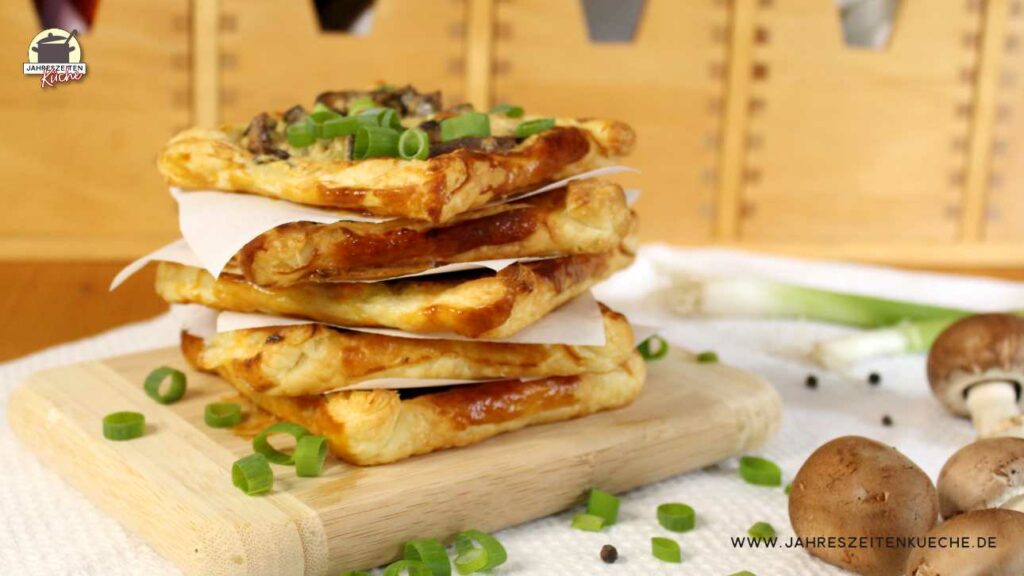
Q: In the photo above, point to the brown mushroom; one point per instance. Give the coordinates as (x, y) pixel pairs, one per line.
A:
(988, 473)
(857, 487)
(990, 543)
(976, 369)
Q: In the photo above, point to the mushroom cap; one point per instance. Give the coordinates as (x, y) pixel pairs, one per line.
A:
(983, 474)
(979, 348)
(1006, 558)
(853, 486)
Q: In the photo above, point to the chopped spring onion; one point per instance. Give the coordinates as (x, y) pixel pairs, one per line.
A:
(261, 443)
(676, 517)
(431, 552)
(156, 378)
(508, 110)
(123, 426)
(707, 357)
(222, 414)
(252, 474)
(356, 573)
(587, 522)
(760, 472)
(340, 126)
(466, 125)
(301, 134)
(761, 531)
(414, 144)
(310, 454)
(321, 107)
(743, 573)
(406, 568)
(764, 298)
(322, 114)
(470, 540)
(359, 104)
(789, 488)
(659, 351)
(472, 561)
(531, 127)
(666, 550)
(383, 117)
(603, 504)
(375, 142)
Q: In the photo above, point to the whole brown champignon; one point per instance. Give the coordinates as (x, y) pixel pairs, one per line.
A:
(988, 473)
(857, 487)
(976, 369)
(1003, 555)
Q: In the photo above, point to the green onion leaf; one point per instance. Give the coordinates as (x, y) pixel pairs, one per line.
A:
(471, 561)
(761, 531)
(340, 126)
(222, 414)
(760, 472)
(414, 144)
(383, 117)
(261, 443)
(470, 540)
(375, 142)
(252, 474)
(676, 517)
(603, 504)
(789, 488)
(301, 134)
(587, 522)
(431, 552)
(123, 426)
(359, 104)
(707, 357)
(175, 390)
(466, 125)
(531, 127)
(666, 550)
(508, 110)
(406, 568)
(659, 352)
(310, 454)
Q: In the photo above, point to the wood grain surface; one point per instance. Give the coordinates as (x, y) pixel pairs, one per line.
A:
(173, 486)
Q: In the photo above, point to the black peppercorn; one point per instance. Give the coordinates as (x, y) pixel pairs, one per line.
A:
(609, 554)
(811, 381)
(874, 378)
(886, 420)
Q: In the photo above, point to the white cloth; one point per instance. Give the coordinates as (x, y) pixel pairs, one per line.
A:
(48, 528)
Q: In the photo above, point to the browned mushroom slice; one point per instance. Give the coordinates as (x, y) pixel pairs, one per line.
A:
(1002, 531)
(988, 473)
(852, 487)
(976, 369)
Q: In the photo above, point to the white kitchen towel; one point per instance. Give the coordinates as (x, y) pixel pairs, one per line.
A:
(47, 528)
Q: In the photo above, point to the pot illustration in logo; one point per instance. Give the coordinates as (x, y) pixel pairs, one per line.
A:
(55, 56)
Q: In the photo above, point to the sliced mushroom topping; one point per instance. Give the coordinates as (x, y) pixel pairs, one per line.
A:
(295, 114)
(406, 100)
(260, 137)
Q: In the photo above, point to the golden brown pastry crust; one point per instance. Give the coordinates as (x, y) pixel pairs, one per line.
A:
(435, 190)
(368, 427)
(476, 305)
(315, 358)
(586, 217)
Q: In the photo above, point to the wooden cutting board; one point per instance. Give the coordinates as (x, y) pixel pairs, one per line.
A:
(173, 486)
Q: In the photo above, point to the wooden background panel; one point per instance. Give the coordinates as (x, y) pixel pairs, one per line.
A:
(1006, 181)
(273, 54)
(667, 84)
(849, 145)
(78, 161)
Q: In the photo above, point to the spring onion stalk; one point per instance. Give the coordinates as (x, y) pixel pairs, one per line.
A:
(375, 142)
(666, 550)
(252, 474)
(175, 387)
(587, 523)
(413, 144)
(431, 552)
(466, 545)
(760, 472)
(604, 505)
(676, 517)
(222, 414)
(764, 298)
(761, 531)
(123, 426)
(904, 338)
(261, 443)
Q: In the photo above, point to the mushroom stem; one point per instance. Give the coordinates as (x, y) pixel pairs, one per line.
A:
(994, 410)
(1016, 503)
